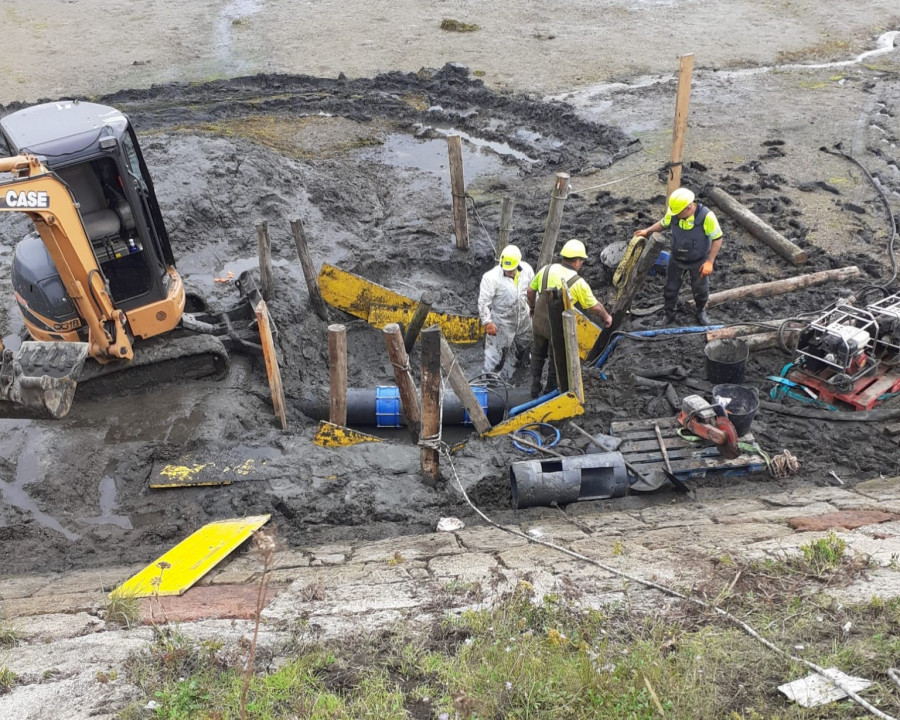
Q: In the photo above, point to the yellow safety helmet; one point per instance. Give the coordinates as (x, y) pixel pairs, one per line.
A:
(510, 257)
(679, 200)
(573, 249)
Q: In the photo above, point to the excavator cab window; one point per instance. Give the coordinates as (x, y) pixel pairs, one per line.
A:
(110, 225)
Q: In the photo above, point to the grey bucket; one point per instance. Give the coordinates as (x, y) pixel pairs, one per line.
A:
(726, 360)
(566, 480)
(743, 406)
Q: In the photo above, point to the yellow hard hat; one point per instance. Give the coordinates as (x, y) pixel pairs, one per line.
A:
(510, 257)
(679, 200)
(573, 249)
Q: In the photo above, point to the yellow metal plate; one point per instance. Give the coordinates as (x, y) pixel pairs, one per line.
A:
(331, 435)
(189, 471)
(587, 331)
(379, 306)
(191, 559)
(558, 408)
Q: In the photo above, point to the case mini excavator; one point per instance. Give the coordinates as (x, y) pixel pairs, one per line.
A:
(96, 283)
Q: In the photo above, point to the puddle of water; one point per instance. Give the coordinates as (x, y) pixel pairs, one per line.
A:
(28, 471)
(107, 502)
(231, 15)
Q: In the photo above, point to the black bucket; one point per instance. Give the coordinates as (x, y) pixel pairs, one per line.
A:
(742, 407)
(726, 360)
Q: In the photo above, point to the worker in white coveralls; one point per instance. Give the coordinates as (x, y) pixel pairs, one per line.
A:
(504, 310)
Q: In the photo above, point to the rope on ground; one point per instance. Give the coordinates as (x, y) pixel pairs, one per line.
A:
(573, 191)
(674, 593)
(483, 228)
(784, 465)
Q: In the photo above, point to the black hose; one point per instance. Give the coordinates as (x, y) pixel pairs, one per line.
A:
(887, 205)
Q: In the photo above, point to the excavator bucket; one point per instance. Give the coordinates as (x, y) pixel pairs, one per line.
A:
(39, 379)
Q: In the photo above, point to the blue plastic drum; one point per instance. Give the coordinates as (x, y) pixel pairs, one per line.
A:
(387, 406)
(481, 395)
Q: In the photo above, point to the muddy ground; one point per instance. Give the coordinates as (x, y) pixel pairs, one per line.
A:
(362, 161)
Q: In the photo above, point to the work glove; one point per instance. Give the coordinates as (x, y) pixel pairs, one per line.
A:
(490, 329)
(706, 268)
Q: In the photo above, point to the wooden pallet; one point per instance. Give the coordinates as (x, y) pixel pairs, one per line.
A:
(866, 392)
(690, 461)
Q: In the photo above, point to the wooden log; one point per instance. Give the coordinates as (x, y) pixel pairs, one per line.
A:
(652, 247)
(679, 132)
(431, 403)
(506, 211)
(555, 308)
(409, 396)
(573, 359)
(309, 270)
(337, 364)
(554, 217)
(273, 373)
(426, 300)
(757, 227)
(458, 190)
(780, 287)
(462, 389)
(264, 246)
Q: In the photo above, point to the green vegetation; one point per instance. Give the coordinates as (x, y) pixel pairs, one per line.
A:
(451, 25)
(555, 660)
(9, 637)
(7, 679)
(123, 610)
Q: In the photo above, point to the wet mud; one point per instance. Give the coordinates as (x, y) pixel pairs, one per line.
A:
(362, 164)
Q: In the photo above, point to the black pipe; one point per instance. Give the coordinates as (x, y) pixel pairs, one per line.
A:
(363, 410)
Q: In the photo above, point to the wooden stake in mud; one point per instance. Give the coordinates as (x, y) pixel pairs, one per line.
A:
(426, 300)
(682, 102)
(309, 270)
(462, 389)
(431, 403)
(458, 189)
(573, 360)
(757, 227)
(337, 362)
(554, 218)
(264, 244)
(409, 396)
(271, 358)
(652, 247)
(506, 212)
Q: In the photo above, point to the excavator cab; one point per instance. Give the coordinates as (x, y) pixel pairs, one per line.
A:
(93, 150)
(98, 272)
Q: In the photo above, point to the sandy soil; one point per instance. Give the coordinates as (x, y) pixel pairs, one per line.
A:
(361, 160)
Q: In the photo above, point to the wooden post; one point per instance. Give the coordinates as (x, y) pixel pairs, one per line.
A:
(506, 211)
(462, 389)
(573, 359)
(264, 244)
(273, 373)
(337, 363)
(309, 270)
(458, 189)
(554, 217)
(556, 306)
(431, 402)
(409, 396)
(757, 227)
(652, 247)
(682, 102)
(426, 300)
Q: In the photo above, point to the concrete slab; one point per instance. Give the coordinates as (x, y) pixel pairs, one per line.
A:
(880, 488)
(410, 547)
(56, 626)
(468, 567)
(487, 539)
(23, 586)
(46, 604)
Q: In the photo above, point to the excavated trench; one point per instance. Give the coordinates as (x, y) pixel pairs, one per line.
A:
(363, 164)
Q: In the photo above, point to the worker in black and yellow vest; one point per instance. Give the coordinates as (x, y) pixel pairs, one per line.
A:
(562, 275)
(696, 241)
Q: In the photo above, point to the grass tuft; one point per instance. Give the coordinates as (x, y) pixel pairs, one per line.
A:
(122, 610)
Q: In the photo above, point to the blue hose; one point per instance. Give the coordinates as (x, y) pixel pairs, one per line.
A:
(535, 430)
(533, 403)
(604, 356)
